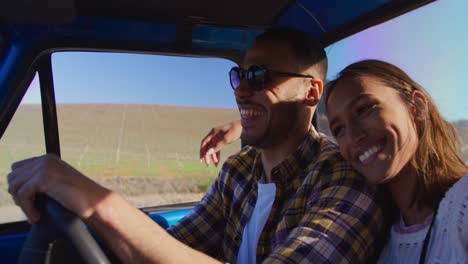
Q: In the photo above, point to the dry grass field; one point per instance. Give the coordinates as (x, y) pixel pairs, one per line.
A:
(146, 151)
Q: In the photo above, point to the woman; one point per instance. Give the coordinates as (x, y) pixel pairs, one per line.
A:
(390, 130)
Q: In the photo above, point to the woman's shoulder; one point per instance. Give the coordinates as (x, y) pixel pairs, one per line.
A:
(459, 190)
(450, 234)
(454, 204)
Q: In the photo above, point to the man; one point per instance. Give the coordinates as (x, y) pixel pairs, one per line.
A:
(288, 198)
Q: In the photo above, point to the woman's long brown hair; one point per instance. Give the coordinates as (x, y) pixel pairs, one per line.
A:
(437, 159)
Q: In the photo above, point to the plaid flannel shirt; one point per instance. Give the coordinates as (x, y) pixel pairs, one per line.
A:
(324, 212)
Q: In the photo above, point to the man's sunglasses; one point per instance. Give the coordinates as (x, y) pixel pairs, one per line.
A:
(257, 76)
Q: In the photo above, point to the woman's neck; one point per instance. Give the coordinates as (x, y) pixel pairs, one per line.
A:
(403, 188)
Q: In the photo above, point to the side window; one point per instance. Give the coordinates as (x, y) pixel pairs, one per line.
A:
(24, 138)
(420, 44)
(322, 120)
(134, 122)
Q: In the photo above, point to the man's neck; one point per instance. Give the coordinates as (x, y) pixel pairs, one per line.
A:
(273, 156)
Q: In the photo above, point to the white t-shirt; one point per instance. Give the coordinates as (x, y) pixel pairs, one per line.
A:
(253, 228)
(449, 235)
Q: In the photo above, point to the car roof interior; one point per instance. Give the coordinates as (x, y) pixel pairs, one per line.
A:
(208, 27)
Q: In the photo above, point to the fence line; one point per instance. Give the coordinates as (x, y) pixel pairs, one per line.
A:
(117, 155)
(82, 154)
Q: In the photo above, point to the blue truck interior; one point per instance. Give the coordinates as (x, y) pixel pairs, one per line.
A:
(25, 40)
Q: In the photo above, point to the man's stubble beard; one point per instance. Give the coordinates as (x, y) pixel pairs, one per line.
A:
(260, 142)
(274, 134)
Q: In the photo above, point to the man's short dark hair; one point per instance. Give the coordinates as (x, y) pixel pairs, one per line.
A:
(307, 50)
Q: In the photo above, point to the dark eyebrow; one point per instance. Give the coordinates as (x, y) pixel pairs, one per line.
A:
(353, 102)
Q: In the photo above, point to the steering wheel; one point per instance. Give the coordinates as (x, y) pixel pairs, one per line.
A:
(57, 222)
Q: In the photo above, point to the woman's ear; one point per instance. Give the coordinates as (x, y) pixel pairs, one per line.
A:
(314, 92)
(420, 108)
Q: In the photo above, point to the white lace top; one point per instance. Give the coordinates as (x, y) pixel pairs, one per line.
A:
(449, 236)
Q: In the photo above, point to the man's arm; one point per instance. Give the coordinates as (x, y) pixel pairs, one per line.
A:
(341, 225)
(133, 236)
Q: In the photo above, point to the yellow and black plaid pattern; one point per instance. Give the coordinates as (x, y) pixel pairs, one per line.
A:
(323, 211)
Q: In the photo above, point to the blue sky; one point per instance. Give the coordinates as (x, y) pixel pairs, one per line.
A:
(430, 43)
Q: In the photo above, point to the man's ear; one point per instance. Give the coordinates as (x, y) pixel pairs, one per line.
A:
(314, 92)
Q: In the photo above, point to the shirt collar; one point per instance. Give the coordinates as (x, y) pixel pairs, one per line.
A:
(288, 172)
